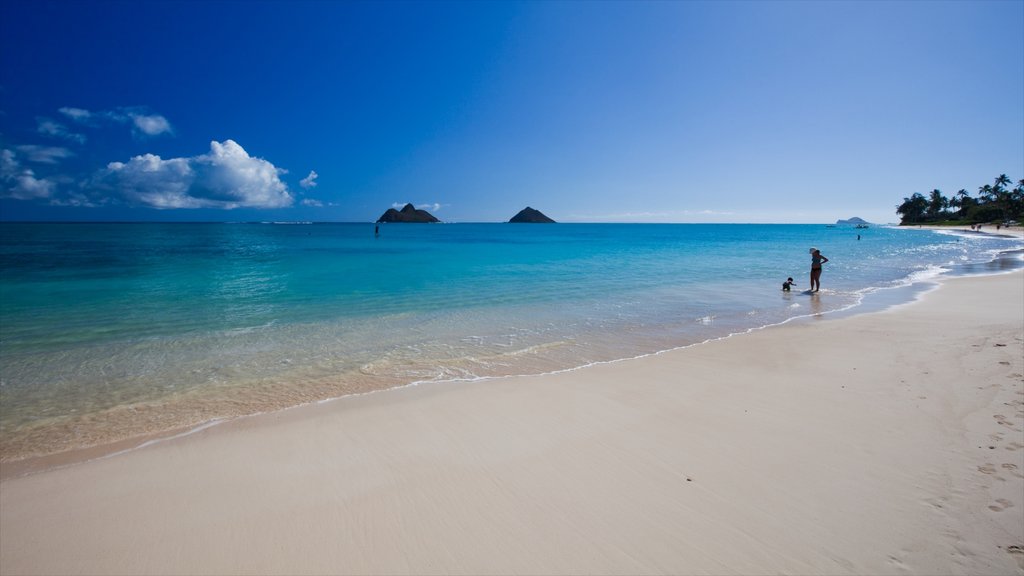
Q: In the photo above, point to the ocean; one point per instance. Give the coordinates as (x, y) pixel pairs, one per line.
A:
(117, 331)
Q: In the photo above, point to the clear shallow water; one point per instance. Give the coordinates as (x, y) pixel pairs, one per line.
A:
(109, 331)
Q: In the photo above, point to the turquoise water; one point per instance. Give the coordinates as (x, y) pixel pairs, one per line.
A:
(110, 331)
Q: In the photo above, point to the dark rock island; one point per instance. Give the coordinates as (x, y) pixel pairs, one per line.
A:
(855, 221)
(408, 214)
(530, 216)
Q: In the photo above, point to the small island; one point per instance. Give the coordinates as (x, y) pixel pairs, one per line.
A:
(408, 213)
(530, 216)
(855, 221)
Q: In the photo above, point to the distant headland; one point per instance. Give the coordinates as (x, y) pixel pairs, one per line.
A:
(409, 213)
(855, 221)
(530, 216)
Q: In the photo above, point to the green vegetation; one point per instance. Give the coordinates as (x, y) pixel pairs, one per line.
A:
(995, 203)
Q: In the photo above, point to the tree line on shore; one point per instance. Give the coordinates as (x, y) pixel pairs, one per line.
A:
(995, 202)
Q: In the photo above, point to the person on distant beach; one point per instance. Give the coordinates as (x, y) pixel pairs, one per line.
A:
(816, 261)
(787, 284)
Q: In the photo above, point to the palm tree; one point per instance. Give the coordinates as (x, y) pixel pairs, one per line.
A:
(912, 209)
(986, 193)
(1017, 200)
(1001, 181)
(954, 202)
(1002, 197)
(994, 201)
(962, 201)
(936, 203)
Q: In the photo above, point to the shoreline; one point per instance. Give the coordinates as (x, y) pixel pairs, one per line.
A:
(853, 455)
(871, 301)
(1008, 231)
(168, 386)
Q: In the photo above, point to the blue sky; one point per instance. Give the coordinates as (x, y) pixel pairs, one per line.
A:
(628, 112)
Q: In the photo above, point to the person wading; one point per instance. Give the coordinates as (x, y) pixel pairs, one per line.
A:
(816, 261)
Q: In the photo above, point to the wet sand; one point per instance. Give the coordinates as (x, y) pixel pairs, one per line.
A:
(883, 443)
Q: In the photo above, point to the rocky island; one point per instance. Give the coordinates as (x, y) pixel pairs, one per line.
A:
(855, 221)
(408, 213)
(530, 216)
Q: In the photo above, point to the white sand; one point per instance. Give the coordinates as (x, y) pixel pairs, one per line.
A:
(887, 443)
(1013, 231)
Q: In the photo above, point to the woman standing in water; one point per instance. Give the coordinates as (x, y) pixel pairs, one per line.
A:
(816, 261)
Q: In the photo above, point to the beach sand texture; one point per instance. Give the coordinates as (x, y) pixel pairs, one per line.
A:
(885, 443)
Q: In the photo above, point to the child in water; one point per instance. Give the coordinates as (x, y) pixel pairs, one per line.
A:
(787, 284)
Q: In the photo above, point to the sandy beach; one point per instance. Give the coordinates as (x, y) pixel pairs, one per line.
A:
(1011, 231)
(883, 443)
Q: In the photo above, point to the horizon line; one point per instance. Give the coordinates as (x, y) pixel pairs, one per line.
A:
(311, 222)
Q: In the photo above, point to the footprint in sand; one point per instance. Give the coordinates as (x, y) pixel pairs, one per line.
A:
(987, 469)
(1014, 446)
(1002, 421)
(1000, 505)
(898, 561)
(937, 502)
(1013, 470)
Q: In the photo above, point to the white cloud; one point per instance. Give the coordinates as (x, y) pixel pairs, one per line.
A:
(21, 183)
(45, 154)
(312, 202)
(76, 114)
(309, 181)
(142, 122)
(51, 128)
(78, 200)
(150, 125)
(430, 207)
(152, 181)
(227, 177)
